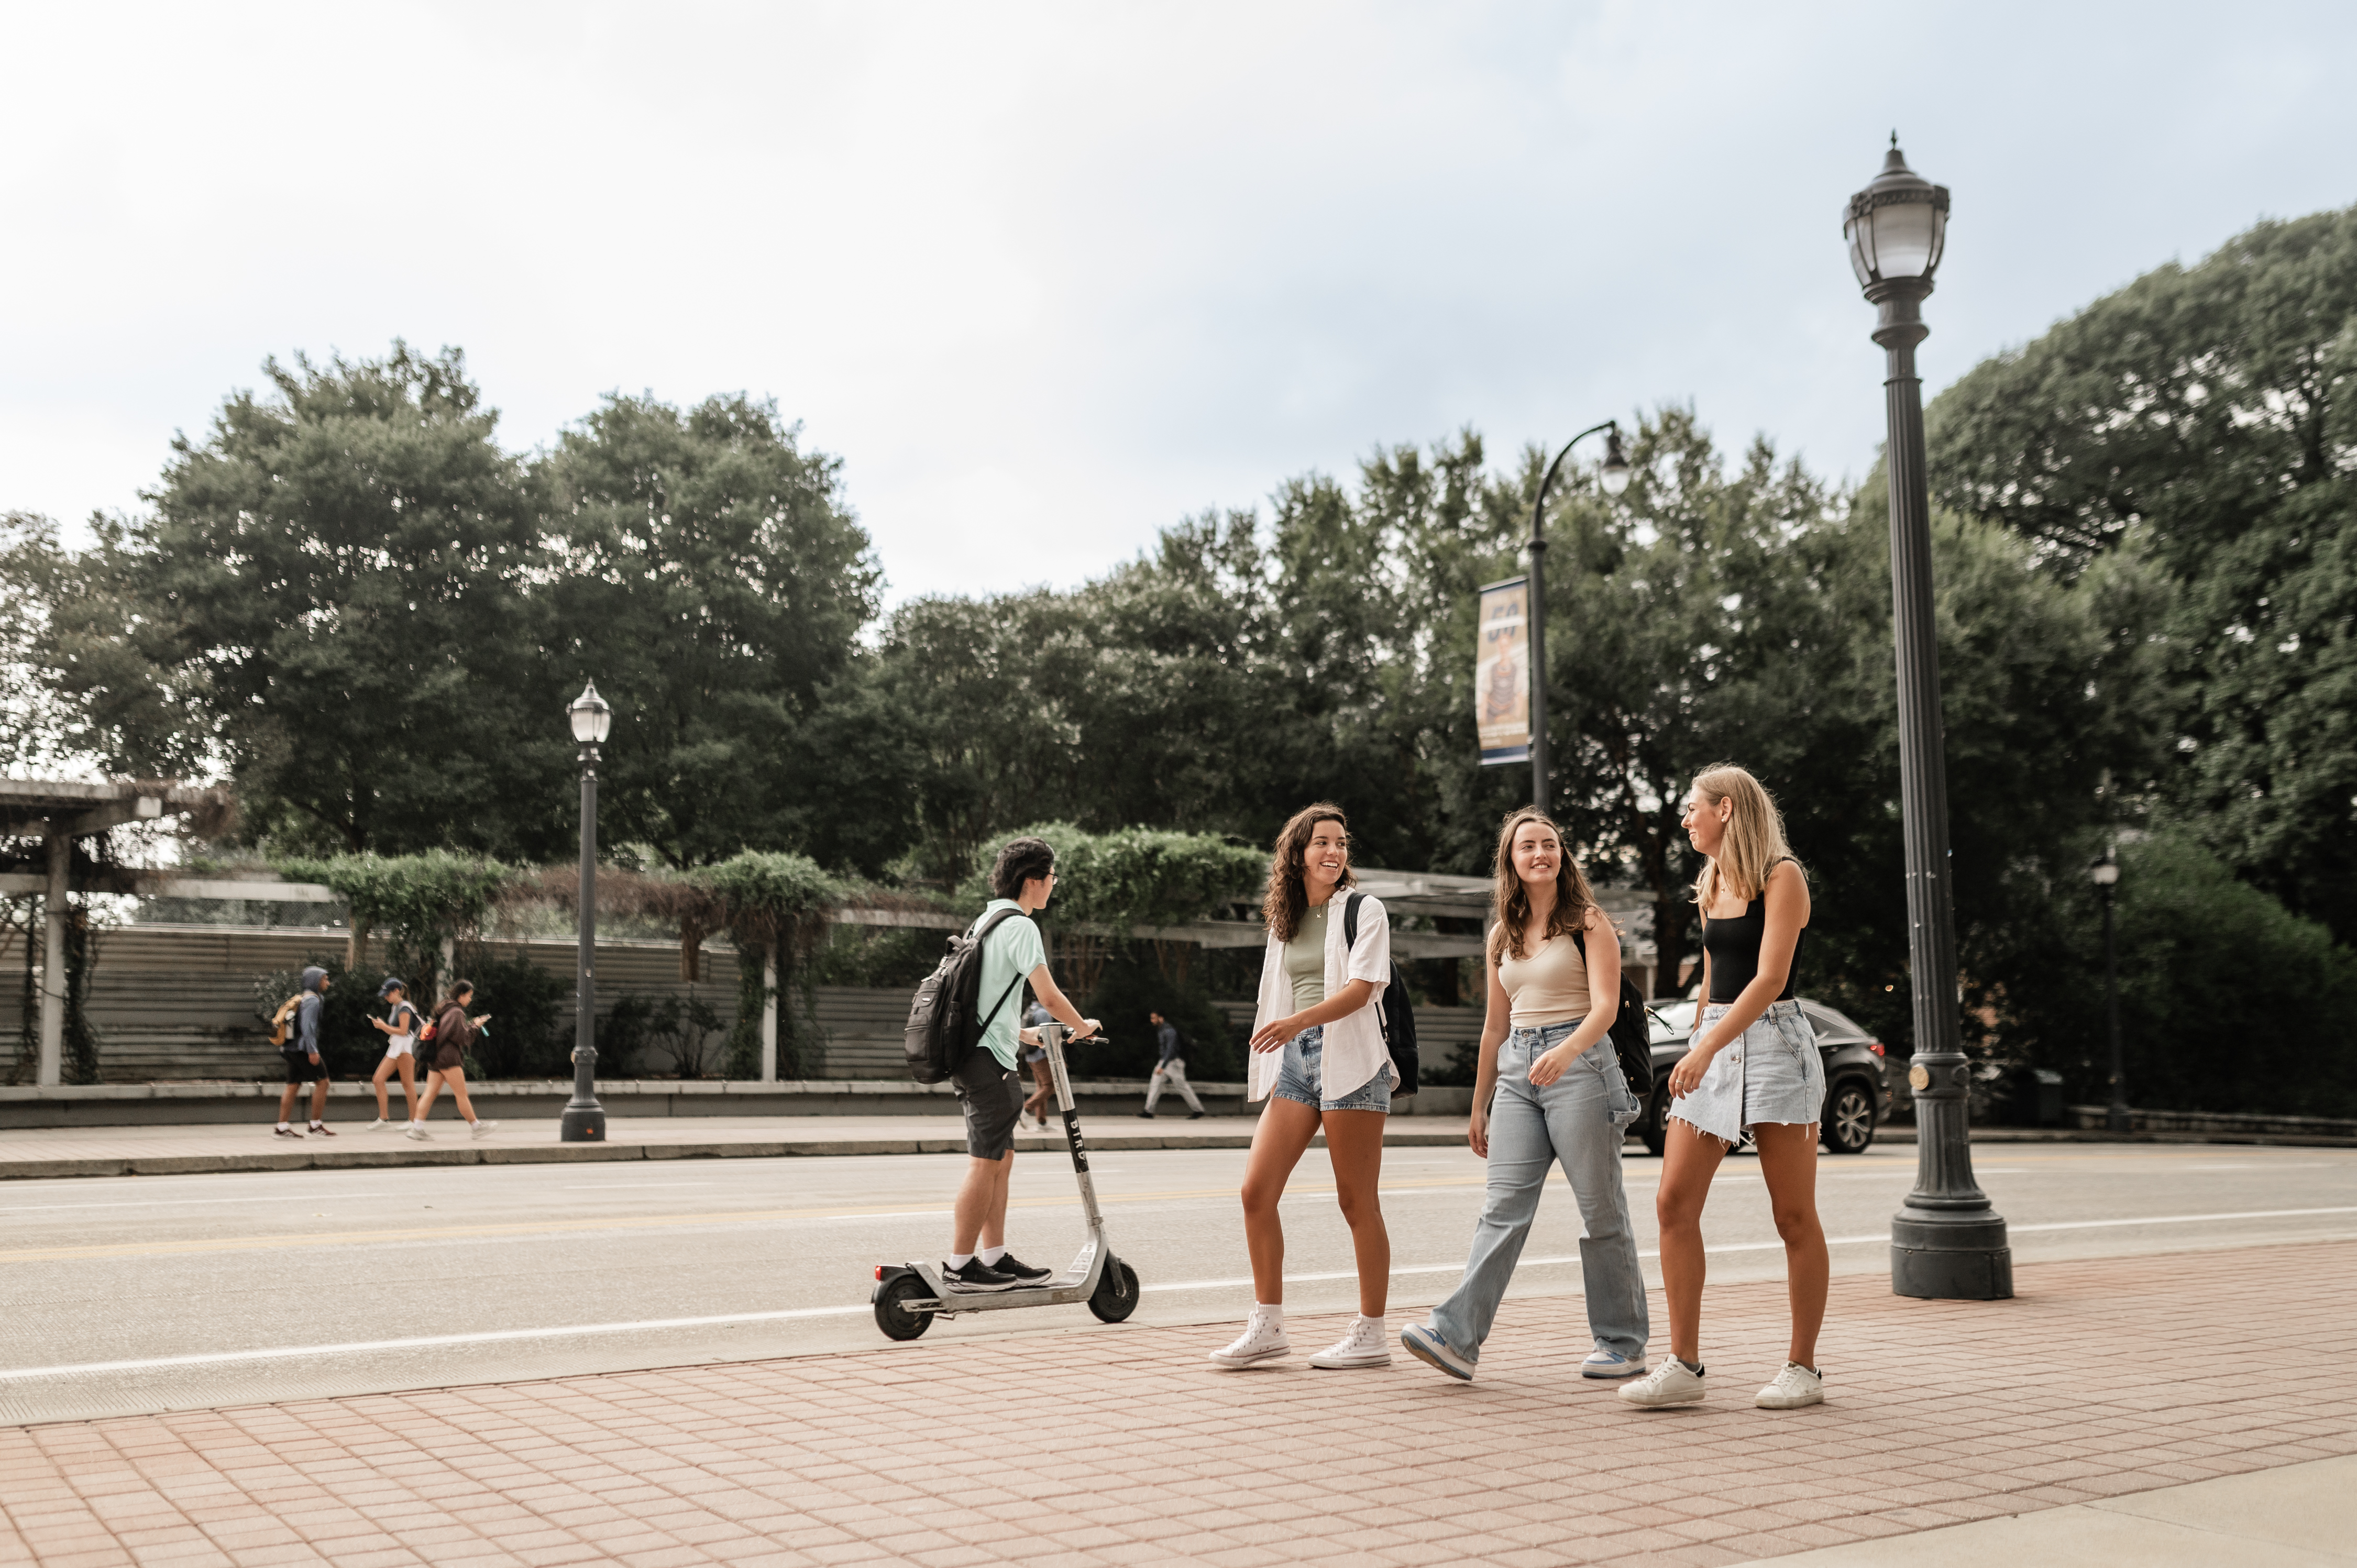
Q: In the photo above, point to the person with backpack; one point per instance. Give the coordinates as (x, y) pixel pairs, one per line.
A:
(1549, 1091)
(453, 1032)
(1320, 1058)
(304, 1062)
(1750, 1071)
(399, 1025)
(1022, 879)
(1170, 1069)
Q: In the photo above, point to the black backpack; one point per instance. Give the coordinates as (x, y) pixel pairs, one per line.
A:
(1392, 1010)
(945, 1021)
(1632, 1038)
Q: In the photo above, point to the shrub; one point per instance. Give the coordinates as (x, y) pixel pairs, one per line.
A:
(529, 1008)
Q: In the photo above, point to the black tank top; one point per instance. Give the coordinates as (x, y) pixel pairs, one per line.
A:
(1732, 944)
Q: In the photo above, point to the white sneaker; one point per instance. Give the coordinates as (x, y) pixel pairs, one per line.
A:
(1431, 1349)
(482, 1129)
(378, 1125)
(1367, 1345)
(1262, 1340)
(1795, 1386)
(1603, 1363)
(420, 1133)
(1672, 1383)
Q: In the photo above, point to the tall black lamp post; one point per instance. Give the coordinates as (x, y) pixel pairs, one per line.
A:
(1948, 1242)
(2105, 874)
(1614, 475)
(585, 1119)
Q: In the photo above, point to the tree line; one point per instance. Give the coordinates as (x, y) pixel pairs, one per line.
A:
(353, 601)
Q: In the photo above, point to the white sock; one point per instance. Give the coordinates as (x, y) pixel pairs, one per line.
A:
(960, 1260)
(284, 1127)
(1374, 1323)
(1272, 1316)
(317, 1122)
(990, 1255)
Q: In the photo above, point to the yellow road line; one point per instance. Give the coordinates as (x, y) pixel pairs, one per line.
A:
(564, 1226)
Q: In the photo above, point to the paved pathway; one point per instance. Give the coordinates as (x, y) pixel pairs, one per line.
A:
(1120, 1446)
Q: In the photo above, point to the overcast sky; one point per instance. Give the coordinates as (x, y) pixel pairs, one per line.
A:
(1049, 278)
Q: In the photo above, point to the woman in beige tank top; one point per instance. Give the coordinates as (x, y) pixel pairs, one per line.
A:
(1550, 1091)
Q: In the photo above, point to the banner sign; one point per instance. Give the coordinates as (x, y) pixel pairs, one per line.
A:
(1501, 673)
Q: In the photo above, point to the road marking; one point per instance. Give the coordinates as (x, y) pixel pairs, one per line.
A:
(636, 1186)
(284, 1199)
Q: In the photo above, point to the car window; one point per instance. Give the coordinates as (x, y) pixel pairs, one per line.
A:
(1829, 1022)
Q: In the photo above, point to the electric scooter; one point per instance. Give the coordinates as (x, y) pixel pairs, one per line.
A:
(908, 1297)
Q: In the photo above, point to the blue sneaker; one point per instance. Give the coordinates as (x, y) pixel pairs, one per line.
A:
(1610, 1364)
(1427, 1347)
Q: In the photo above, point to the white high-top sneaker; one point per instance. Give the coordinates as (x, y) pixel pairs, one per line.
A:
(1263, 1340)
(1366, 1345)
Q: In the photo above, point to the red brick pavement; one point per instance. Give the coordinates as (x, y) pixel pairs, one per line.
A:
(1111, 1446)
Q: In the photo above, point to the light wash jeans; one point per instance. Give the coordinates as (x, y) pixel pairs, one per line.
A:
(1577, 1121)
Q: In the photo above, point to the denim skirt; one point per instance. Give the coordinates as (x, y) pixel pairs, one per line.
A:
(1773, 1075)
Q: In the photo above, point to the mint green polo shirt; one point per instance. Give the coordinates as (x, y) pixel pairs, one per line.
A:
(1013, 951)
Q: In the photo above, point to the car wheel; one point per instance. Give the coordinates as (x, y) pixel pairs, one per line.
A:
(1849, 1118)
(1654, 1126)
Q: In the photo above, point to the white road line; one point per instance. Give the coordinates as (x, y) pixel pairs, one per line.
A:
(291, 1352)
(636, 1186)
(283, 1197)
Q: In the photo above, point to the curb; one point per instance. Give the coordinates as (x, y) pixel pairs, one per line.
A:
(586, 1153)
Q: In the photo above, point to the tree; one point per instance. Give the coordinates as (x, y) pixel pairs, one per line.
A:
(2203, 418)
(327, 596)
(703, 571)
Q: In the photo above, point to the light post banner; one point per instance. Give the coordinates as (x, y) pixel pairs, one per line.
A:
(1501, 673)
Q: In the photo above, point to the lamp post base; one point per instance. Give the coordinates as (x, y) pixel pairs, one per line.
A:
(1951, 1260)
(582, 1126)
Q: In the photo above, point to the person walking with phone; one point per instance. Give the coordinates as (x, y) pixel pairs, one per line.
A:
(1549, 1091)
(1024, 879)
(399, 1026)
(1169, 1069)
(1751, 1070)
(1319, 1059)
(305, 1063)
(453, 1032)
(1035, 1058)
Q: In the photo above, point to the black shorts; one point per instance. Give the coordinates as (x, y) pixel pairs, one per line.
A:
(992, 1098)
(300, 1067)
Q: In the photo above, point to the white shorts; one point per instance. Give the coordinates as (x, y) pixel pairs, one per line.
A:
(400, 1045)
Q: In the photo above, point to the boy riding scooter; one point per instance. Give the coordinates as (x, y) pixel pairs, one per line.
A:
(1022, 878)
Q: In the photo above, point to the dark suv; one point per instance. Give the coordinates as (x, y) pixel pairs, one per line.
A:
(1855, 1099)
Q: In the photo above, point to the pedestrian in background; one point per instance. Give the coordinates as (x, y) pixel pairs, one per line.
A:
(1549, 1091)
(399, 1025)
(1172, 1068)
(1320, 1059)
(453, 1032)
(1751, 1069)
(305, 1064)
(1023, 878)
(1035, 1058)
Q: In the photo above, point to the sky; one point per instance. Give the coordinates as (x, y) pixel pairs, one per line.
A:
(1049, 278)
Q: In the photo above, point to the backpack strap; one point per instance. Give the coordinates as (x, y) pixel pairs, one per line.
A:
(1350, 918)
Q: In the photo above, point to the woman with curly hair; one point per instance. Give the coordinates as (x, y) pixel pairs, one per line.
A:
(1320, 1059)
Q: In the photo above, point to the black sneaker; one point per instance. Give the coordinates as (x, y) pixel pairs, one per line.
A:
(1146, 1115)
(1194, 1116)
(1021, 1272)
(977, 1275)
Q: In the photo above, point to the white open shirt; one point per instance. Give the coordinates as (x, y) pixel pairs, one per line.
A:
(1354, 1050)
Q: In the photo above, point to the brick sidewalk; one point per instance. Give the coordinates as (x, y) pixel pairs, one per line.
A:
(1109, 1445)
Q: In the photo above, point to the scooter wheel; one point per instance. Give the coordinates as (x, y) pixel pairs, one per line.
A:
(1115, 1297)
(893, 1314)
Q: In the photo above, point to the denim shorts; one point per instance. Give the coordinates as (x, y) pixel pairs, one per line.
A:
(1773, 1075)
(1297, 1074)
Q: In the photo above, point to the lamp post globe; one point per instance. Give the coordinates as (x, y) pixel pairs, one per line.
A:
(583, 1121)
(1614, 477)
(2104, 873)
(1947, 1242)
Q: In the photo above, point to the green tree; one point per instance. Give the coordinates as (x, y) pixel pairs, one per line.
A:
(327, 596)
(703, 571)
(2202, 417)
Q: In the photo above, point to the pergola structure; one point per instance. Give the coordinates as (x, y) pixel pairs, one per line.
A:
(58, 812)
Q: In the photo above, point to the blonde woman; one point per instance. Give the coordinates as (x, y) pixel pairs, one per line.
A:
(1750, 1069)
(1549, 1091)
(1318, 1058)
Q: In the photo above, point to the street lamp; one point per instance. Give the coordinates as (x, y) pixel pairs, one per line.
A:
(1948, 1242)
(585, 1119)
(1614, 477)
(2105, 874)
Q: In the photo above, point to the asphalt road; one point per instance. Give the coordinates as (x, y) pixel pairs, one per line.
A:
(160, 1293)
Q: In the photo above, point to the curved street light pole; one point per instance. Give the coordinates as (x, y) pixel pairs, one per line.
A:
(1615, 478)
(1948, 1242)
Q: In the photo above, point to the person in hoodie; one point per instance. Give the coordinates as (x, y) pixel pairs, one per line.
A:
(453, 1032)
(304, 1062)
